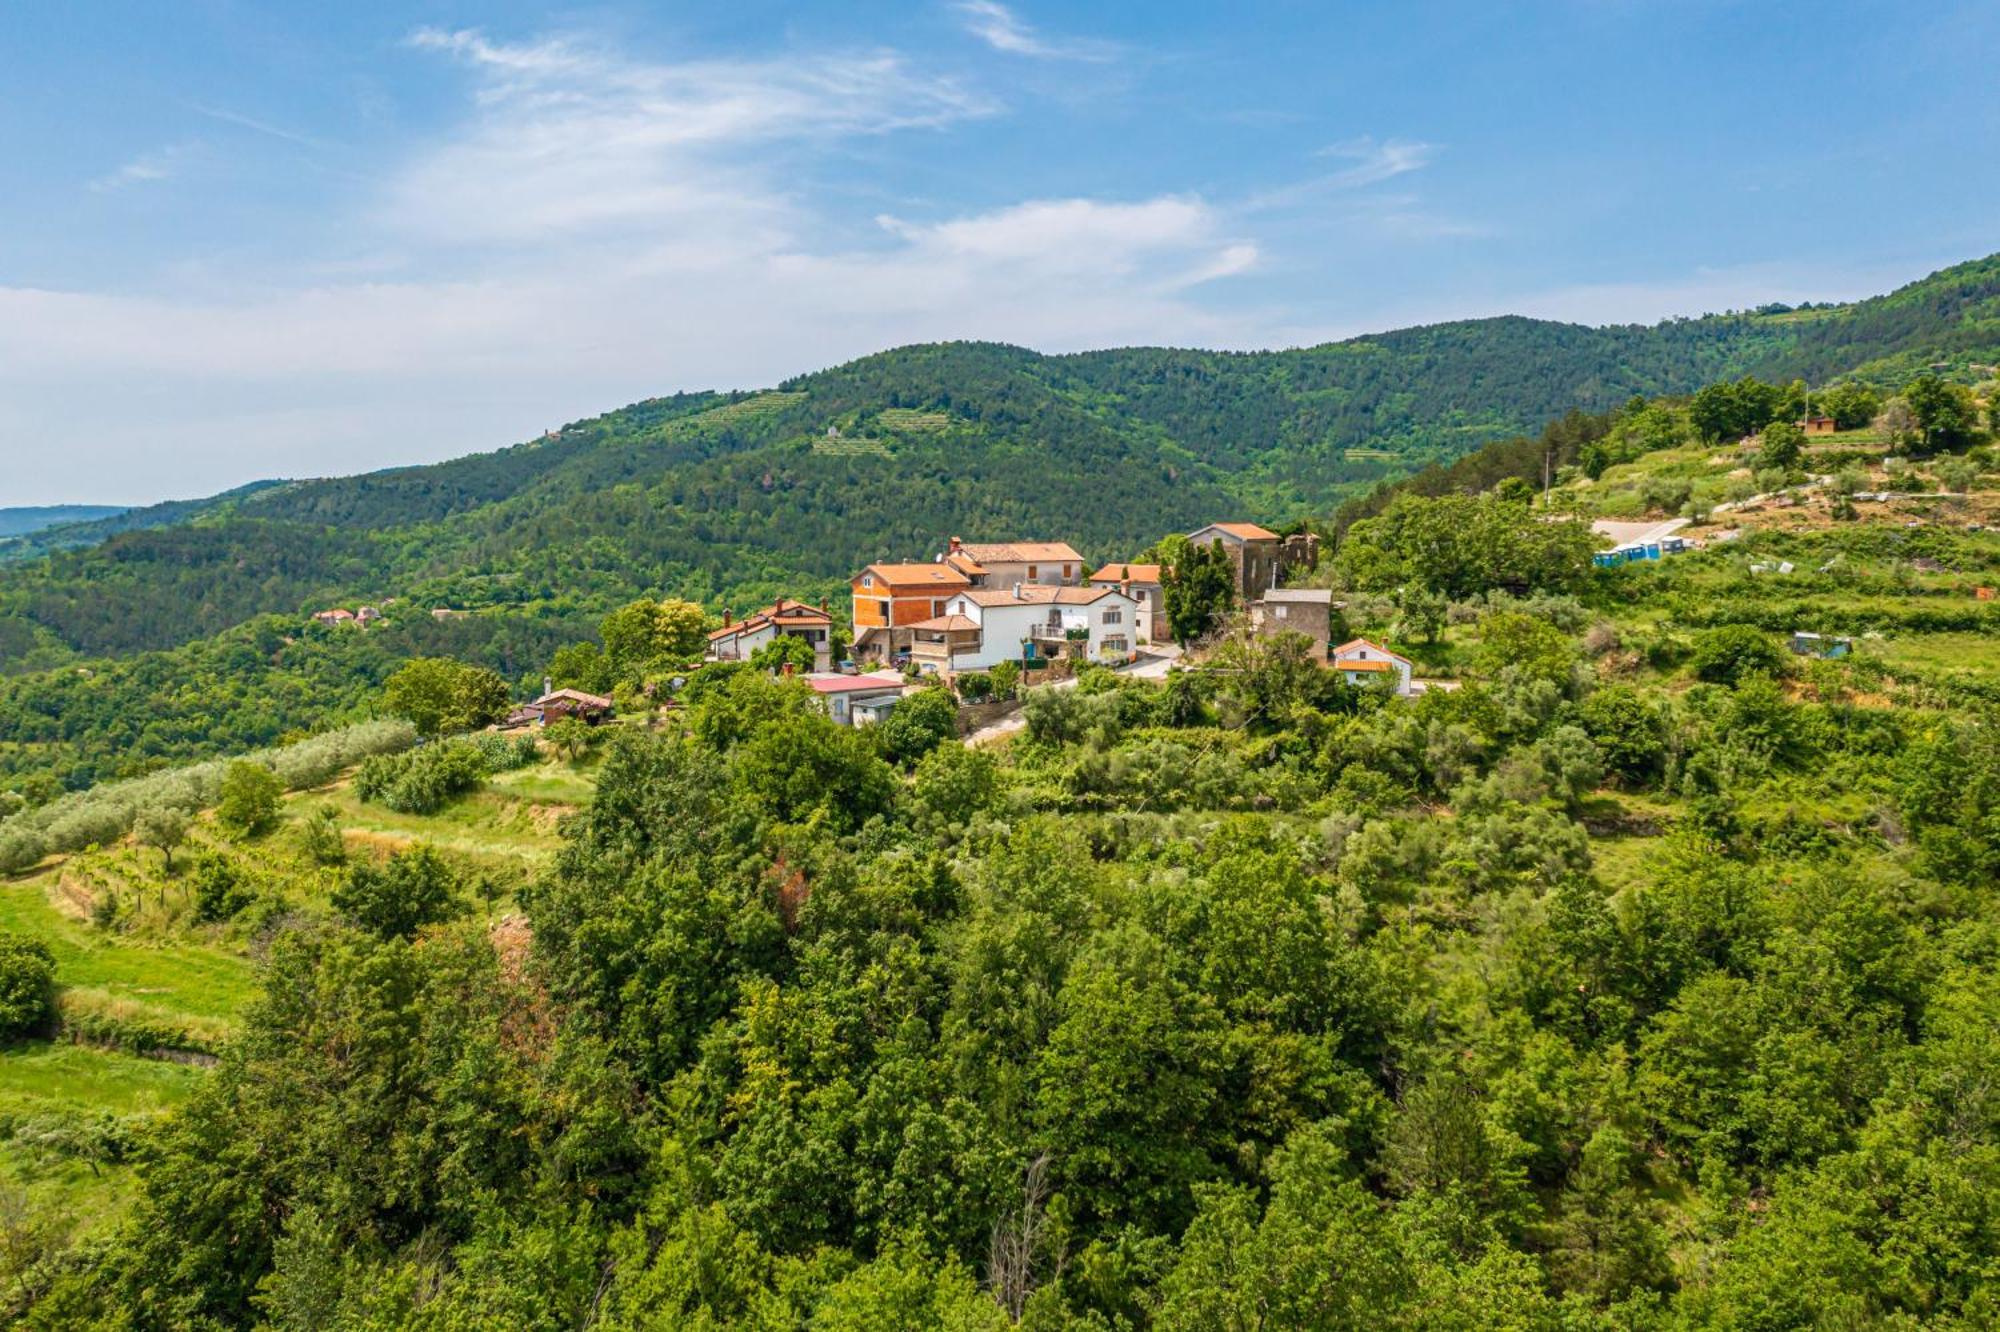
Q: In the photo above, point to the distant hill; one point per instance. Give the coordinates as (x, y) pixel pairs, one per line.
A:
(34, 517)
(741, 495)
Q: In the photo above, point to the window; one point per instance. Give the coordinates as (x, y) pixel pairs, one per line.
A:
(1031, 573)
(937, 608)
(1116, 644)
(1278, 612)
(1065, 572)
(1114, 617)
(867, 580)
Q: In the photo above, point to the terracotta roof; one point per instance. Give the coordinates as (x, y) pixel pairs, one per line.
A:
(795, 613)
(945, 623)
(573, 696)
(1242, 531)
(873, 682)
(916, 575)
(965, 564)
(1364, 666)
(1019, 552)
(1118, 573)
(1355, 644)
(1036, 594)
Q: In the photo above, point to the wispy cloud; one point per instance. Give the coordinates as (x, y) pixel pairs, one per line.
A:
(567, 137)
(1004, 30)
(257, 126)
(1375, 162)
(145, 169)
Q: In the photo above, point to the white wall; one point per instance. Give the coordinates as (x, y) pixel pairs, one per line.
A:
(1003, 626)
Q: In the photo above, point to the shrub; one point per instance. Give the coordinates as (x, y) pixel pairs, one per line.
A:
(1730, 652)
(1006, 679)
(394, 900)
(250, 794)
(322, 839)
(919, 723)
(975, 686)
(424, 780)
(20, 849)
(219, 889)
(27, 985)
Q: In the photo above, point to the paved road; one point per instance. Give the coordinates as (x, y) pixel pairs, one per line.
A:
(1152, 665)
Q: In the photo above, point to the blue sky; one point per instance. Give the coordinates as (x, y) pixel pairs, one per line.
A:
(241, 240)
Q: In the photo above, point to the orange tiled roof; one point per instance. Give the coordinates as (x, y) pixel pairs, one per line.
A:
(1118, 573)
(1020, 552)
(1363, 666)
(1356, 643)
(916, 575)
(945, 623)
(1246, 531)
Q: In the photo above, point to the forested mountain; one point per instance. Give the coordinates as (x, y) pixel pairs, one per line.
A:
(34, 517)
(708, 495)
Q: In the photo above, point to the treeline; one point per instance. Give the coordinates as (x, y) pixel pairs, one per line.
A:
(103, 814)
(244, 689)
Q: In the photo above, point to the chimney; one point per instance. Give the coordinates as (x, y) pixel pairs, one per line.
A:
(955, 546)
(1125, 585)
(548, 686)
(825, 607)
(725, 617)
(1017, 592)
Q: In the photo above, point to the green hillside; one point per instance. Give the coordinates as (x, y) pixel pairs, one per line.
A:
(707, 494)
(22, 520)
(1637, 976)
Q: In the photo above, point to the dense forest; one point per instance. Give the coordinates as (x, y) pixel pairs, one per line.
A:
(710, 496)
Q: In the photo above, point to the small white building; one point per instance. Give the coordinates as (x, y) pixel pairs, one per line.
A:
(855, 700)
(983, 627)
(1361, 662)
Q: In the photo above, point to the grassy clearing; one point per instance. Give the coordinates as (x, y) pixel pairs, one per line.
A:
(44, 1075)
(188, 977)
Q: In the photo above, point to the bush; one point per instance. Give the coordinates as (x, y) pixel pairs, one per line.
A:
(1006, 679)
(975, 687)
(394, 900)
(424, 780)
(219, 889)
(20, 849)
(250, 794)
(919, 723)
(322, 839)
(1731, 652)
(27, 986)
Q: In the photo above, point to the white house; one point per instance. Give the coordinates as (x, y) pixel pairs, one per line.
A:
(983, 627)
(856, 699)
(1361, 662)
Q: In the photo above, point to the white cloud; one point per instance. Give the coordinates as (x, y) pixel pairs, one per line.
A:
(145, 169)
(1003, 30)
(566, 138)
(1378, 161)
